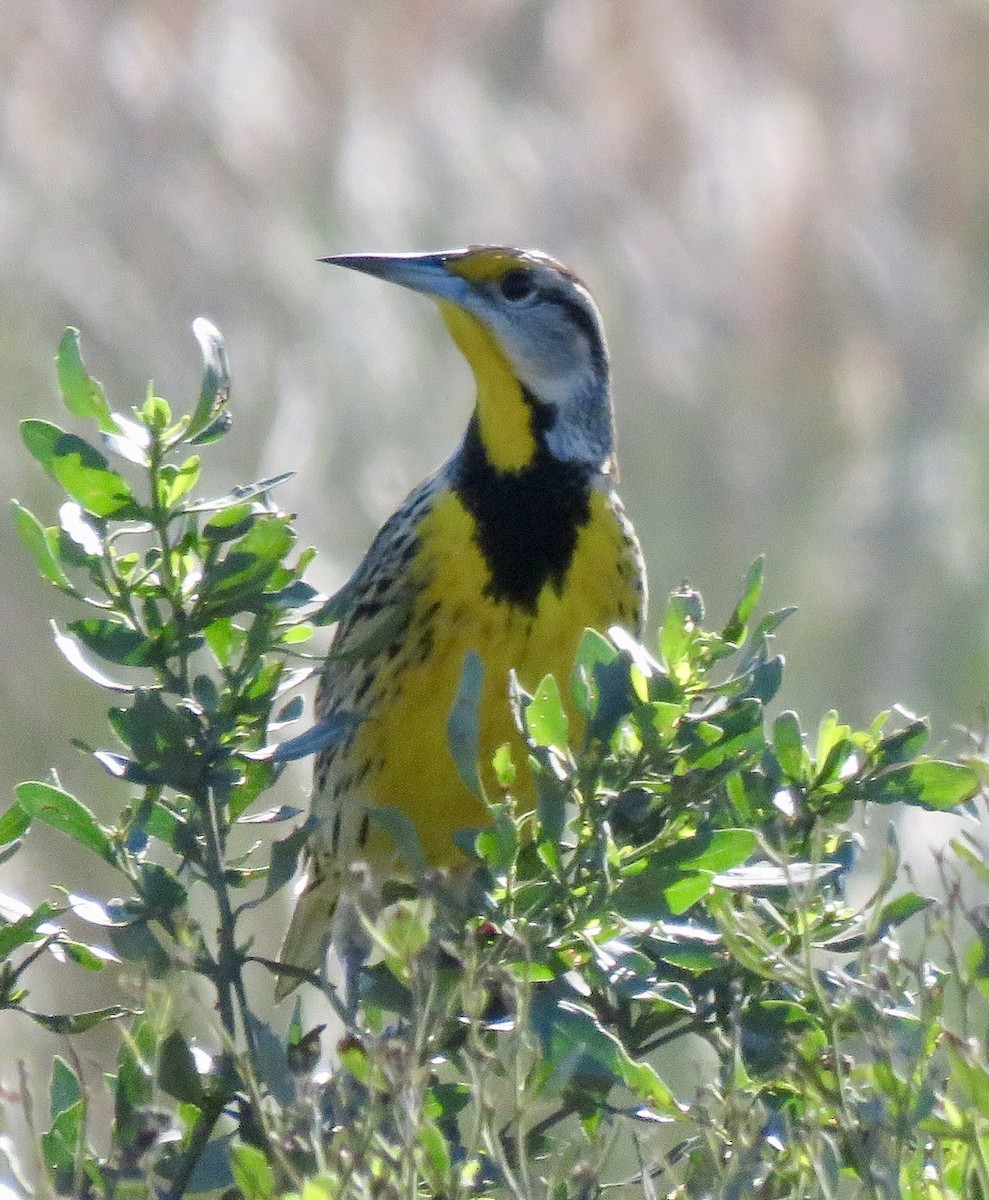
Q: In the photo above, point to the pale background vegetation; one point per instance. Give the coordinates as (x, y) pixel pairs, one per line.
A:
(782, 207)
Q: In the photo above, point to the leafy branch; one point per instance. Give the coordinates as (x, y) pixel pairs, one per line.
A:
(198, 613)
(678, 896)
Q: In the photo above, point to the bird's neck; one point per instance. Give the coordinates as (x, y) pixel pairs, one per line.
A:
(505, 414)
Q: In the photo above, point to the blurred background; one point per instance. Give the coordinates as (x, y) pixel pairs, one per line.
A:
(781, 206)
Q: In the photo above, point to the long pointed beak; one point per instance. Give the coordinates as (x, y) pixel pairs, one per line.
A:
(426, 273)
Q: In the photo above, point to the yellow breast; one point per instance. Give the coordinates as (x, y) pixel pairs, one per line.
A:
(404, 737)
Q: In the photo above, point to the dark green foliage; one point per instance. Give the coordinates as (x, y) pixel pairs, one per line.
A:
(655, 984)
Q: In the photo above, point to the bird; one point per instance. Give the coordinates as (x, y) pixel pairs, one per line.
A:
(508, 551)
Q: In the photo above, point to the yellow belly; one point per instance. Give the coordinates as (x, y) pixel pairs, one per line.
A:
(404, 737)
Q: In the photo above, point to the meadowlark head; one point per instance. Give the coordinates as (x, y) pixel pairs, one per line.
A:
(524, 322)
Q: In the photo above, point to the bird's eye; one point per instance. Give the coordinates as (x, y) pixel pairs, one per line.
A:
(517, 284)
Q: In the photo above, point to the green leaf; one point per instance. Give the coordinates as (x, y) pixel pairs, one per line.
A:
(738, 733)
(437, 1155)
(971, 1074)
(160, 736)
(593, 651)
(78, 467)
(575, 1041)
(65, 1088)
(177, 1074)
(252, 1172)
(88, 957)
(504, 766)
(65, 1023)
(902, 909)
(551, 809)
(734, 631)
(35, 538)
(137, 943)
(684, 893)
(229, 523)
(788, 741)
(133, 1086)
(160, 890)
(83, 395)
(725, 849)
(116, 642)
(676, 878)
(13, 823)
(73, 654)
(174, 482)
(684, 613)
(40, 438)
(545, 719)
(27, 929)
(498, 843)
(210, 418)
(928, 783)
(461, 728)
(156, 412)
(85, 476)
(237, 578)
(830, 733)
(239, 495)
(61, 1144)
(402, 934)
(905, 744)
(295, 635)
(43, 802)
(765, 679)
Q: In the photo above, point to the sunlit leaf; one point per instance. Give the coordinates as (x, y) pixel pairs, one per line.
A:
(13, 823)
(79, 467)
(593, 651)
(116, 642)
(35, 538)
(902, 909)
(928, 783)
(240, 495)
(32, 927)
(43, 802)
(325, 733)
(763, 875)
(684, 613)
(210, 419)
(90, 958)
(576, 1042)
(72, 651)
(545, 719)
(788, 741)
(131, 443)
(83, 395)
(66, 1023)
(252, 1172)
(734, 631)
(73, 520)
(724, 849)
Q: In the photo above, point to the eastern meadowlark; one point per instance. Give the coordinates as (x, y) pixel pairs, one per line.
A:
(514, 546)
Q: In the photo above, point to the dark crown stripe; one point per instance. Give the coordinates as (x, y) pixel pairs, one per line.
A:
(585, 321)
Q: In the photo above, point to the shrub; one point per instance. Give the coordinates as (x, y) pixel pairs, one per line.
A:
(657, 985)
